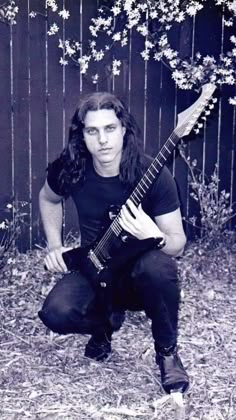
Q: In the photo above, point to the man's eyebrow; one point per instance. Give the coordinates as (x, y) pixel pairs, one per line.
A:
(106, 125)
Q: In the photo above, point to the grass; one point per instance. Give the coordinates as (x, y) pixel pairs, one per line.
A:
(45, 375)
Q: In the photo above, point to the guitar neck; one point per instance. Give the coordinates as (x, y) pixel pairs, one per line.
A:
(154, 169)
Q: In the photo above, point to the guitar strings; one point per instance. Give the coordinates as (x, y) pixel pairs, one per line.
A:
(115, 227)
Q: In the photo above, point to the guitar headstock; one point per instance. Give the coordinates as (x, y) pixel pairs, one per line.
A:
(188, 118)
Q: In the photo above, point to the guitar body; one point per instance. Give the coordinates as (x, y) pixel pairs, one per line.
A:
(103, 267)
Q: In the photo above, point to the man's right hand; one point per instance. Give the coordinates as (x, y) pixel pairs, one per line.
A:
(54, 261)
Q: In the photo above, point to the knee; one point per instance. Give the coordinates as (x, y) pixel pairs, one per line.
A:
(55, 318)
(67, 320)
(156, 268)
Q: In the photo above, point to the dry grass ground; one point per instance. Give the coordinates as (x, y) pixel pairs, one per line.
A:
(45, 376)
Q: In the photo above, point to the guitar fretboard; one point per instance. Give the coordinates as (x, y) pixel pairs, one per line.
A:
(154, 169)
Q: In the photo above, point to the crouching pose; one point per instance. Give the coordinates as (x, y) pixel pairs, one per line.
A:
(100, 166)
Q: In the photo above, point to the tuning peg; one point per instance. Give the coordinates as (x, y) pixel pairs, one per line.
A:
(211, 106)
(196, 130)
(203, 118)
(200, 125)
(214, 100)
(207, 112)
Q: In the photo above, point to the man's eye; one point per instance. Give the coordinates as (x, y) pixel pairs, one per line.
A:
(110, 128)
(91, 131)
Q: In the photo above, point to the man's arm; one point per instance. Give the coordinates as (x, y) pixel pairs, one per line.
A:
(51, 211)
(171, 227)
(142, 226)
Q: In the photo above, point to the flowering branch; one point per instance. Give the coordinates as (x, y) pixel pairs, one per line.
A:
(153, 20)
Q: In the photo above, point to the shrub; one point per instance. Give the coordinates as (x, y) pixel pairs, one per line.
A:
(11, 228)
(215, 206)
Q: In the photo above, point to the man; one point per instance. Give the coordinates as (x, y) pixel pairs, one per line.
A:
(100, 166)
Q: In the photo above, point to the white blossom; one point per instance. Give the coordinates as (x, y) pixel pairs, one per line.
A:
(148, 44)
(52, 4)
(232, 101)
(116, 10)
(9, 12)
(173, 63)
(3, 225)
(145, 54)
(83, 62)
(153, 14)
(180, 17)
(232, 6)
(116, 67)
(32, 14)
(63, 62)
(61, 44)
(170, 54)
(143, 29)
(157, 56)
(230, 80)
(208, 60)
(228, 22)
(163, 41)
(53, 29)
(65, 14)
(124, 41)
(227, 61)
(117, 36)
(95, 78)
(98, 55)
(193, 9)
(233, 39)
(68, 49)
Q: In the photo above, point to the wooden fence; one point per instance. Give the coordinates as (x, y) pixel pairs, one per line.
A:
(39, 96)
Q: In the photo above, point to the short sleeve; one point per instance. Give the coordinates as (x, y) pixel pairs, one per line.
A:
(53, 175)
(164, 195)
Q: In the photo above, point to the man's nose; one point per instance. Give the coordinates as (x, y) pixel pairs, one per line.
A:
(102, 137)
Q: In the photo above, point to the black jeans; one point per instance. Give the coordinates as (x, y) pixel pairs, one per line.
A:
(151, 284)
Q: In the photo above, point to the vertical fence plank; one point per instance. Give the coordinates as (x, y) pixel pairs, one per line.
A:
(21, 118)
(55, 88)
(137, 81)
(5, 118)
(37, 51)
(73, 91)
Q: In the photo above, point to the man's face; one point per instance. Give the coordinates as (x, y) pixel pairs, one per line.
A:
(103, 136)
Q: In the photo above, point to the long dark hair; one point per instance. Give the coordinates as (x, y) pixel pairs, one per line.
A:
(75, 154)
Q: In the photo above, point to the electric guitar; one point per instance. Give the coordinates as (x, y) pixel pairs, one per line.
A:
(103, 259)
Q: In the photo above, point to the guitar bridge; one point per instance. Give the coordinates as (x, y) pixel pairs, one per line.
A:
(94, 259)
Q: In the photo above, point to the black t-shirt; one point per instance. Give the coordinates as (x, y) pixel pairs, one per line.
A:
(95, 194)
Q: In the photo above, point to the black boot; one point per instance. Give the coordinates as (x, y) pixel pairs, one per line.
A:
(98, 347)
(173, 375)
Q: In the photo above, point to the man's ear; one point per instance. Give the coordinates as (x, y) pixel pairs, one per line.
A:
(124, 130)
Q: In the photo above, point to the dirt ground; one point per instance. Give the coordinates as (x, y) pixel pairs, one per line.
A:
(45, 375)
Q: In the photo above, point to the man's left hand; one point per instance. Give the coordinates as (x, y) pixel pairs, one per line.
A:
(139, 224)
